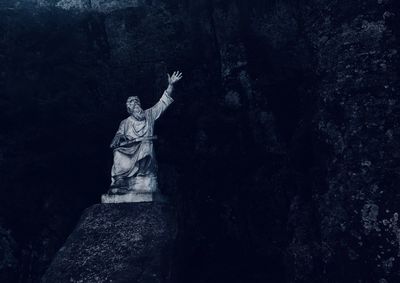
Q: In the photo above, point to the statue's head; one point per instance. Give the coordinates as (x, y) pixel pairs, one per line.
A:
(134, 108)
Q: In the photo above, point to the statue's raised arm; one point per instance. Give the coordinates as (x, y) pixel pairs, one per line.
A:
(166, 98)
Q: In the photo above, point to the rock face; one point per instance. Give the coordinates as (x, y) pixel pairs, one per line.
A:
(104, 6)
(96, 5)
(282, 149)
(356, 134)
(118, 243)
(8, 260)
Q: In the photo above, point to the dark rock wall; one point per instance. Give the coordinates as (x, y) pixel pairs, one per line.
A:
(357, 121)
(8, 256)
(280, 151)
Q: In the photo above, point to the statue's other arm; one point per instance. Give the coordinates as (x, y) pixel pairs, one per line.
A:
(166, 98)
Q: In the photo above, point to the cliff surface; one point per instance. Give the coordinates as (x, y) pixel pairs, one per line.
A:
(281, 149)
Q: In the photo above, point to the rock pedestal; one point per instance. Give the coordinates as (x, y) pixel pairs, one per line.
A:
(125, 242)
(140, 189)
(133, 197)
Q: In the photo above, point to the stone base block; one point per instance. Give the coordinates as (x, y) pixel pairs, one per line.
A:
(143, 184)
(133, 197)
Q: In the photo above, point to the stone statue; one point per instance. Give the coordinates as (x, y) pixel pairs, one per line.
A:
(133, 174)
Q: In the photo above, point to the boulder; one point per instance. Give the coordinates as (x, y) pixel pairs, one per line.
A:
(129, 242)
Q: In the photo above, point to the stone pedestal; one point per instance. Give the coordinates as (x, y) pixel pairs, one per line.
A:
(125, 242)
(133, 197)
(140, 189)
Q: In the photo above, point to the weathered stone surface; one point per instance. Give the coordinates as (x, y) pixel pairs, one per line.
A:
(356, 133)
(118, 243)
(93, 5)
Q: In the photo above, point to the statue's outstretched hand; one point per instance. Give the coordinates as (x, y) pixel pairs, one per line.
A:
(176, 76)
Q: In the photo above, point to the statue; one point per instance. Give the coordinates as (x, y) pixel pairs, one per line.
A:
(133, 174)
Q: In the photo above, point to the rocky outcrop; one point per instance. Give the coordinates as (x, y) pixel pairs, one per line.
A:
(118, 243)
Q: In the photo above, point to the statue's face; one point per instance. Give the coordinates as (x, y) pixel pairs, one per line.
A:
(135, 109)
